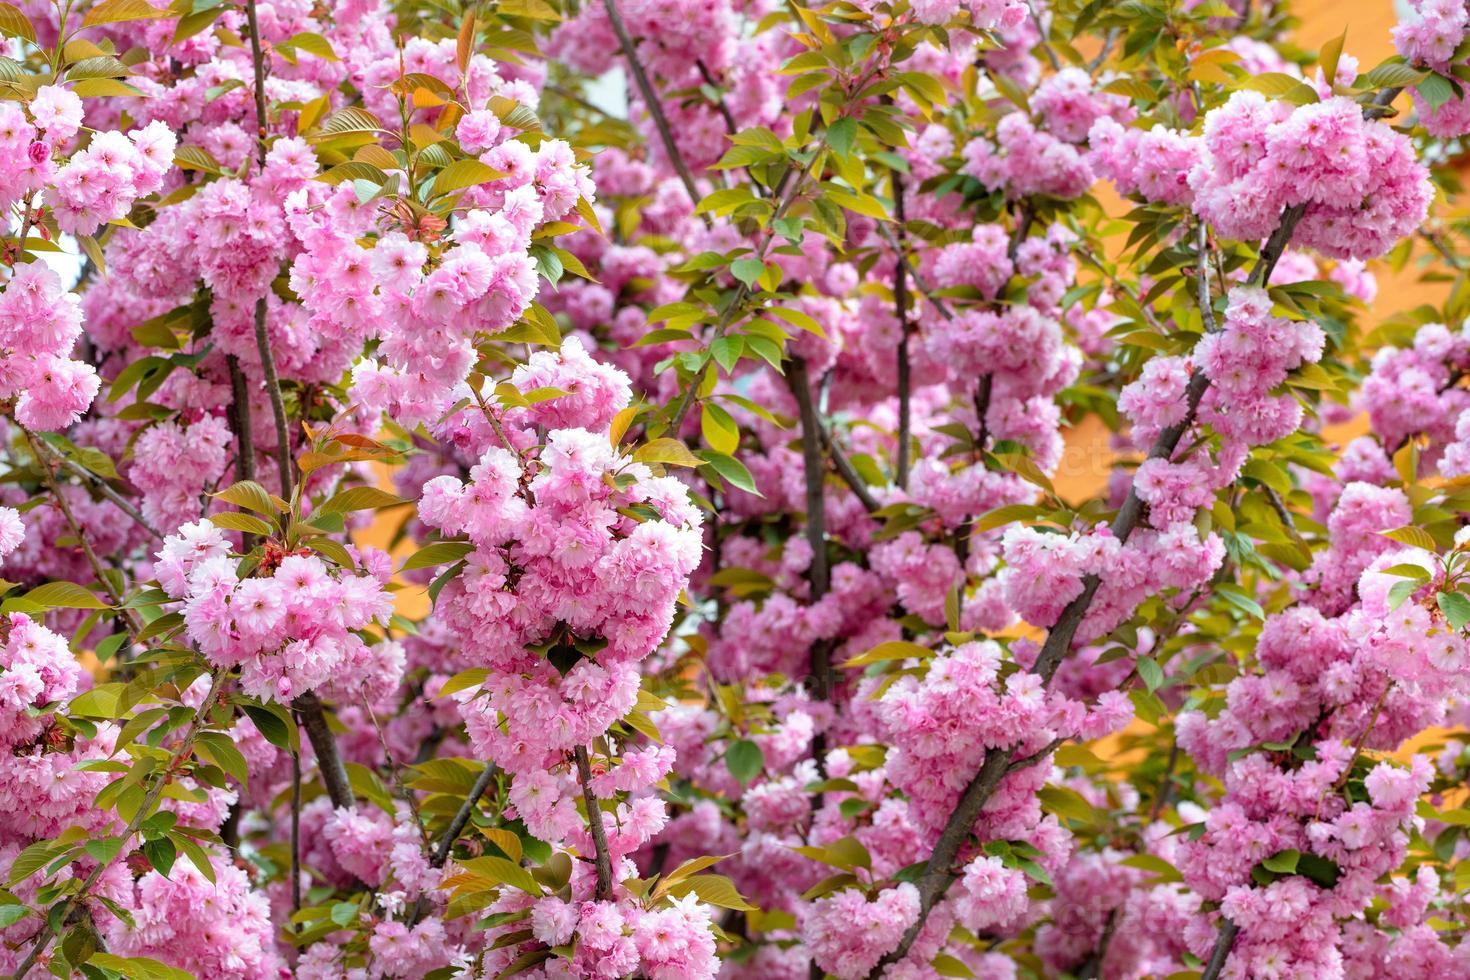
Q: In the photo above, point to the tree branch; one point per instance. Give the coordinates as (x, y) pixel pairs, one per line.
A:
(462, 818)
(324, 743)
(1223, 946)
(819, 574)
(262, 338)
(240, 423)
(655, 108)
(845, 469)
(594, 823)
(901, 307)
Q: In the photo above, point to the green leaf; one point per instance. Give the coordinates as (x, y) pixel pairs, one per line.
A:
(220, 749)
(1401, 591)
(1414, 537)
(891, 650)
(1069, 803)
(15, 23)
(438, 553)
(311, 43)
(35, 857)
(361, 498)
(103, 849)
(138, 967)
(670, 452)
(197, 855)
(1283, 862)
(719, 429)
(747, 270)
(234, 520)
(745, 760)
(1456, 608)
(841, 135)
(712, 890)
(1330, 55)
(102, 701)
(118, 11)
(1243, 602)
(465, 679)
(500, 871)
(465, 173)
(160, 853)
(846, 853)
(731, 470)
(1435, 90)
(276, 725)
(249, 495)
(1150, 672)
(63, 595)
(11, 914)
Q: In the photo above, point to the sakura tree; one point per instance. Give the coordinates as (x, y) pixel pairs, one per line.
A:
(573, 488)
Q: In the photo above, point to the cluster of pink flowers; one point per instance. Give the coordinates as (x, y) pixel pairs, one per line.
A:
(40, 322)
(1154, 163)
(289, 631)
(1432, 38)
(1358, 180)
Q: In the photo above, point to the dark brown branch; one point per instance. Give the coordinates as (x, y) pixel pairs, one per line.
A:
(1276, 245)
(845, 469)
(239, 417)
(594, 823)
(462, 818)
(724, 110)
(1202, 277)
(1092, 969)
(901, 307)
(819, 574)
(1034, 758)
(655, 108)
(324, 743)
(262, 338)
(1223, 946)
(1166, 783)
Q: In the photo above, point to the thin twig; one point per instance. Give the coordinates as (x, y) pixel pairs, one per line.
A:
(295, 831)
(462, 817)
(901, 308)
(1202, 276)
(262, 338)
(594, 823)
(1034, 758)
(135, 626)
(655, 108)
(1092, 969)
(847, 471)
(1166, 784)
(919, 283)
(1102, 55)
